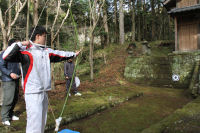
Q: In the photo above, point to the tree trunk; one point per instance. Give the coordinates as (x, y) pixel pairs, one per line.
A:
(144, 21)
(133, 20)
(95, 9)
(58, 42)
(46, 24)
(139, 20)
(121, 22)
(5, 40)
(52, 65)
(105, 22)
(116, 31)
(85, 33)
(28, 20)
(47, 19)
(153, 19)
(91, 56)
(9, 18)
(35, 20)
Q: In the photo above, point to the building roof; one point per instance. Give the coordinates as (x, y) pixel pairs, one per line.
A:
(185, 9)
(169, 1)
(169, 4)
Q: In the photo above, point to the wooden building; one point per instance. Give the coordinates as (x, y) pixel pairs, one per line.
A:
(186, 14)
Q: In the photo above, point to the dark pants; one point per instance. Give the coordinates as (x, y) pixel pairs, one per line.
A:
(73, 87)
(11, 91)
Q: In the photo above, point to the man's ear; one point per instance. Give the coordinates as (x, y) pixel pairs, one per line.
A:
(37, 37)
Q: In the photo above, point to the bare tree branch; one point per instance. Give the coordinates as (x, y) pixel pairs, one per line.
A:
(17, 14)
(2, 22)
(54, 22)
(10, 7)
(63, 20)
(3, 30)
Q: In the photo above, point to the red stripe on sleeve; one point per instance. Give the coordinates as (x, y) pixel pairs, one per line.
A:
(5, 57)
(29, 68)
(52, 54)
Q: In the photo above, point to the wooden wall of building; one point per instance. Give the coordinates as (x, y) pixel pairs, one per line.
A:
(187, 34)
(184, 3)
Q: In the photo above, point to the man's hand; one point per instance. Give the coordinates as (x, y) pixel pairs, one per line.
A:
(25, 43)
(14, 76)
(78, 52)
(67, 77)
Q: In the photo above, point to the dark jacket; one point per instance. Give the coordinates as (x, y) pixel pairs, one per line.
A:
(7, 68)
(69, 69)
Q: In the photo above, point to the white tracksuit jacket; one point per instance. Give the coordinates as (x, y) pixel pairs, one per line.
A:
(35, 61)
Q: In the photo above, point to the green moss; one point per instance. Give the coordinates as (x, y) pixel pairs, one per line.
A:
(133, 116)
(184, 120)
(159, 69)
(148, 70)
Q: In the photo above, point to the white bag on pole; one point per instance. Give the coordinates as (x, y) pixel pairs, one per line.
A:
(77, 81)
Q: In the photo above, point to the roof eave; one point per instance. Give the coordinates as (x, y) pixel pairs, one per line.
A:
(185, 9)
(169, 4)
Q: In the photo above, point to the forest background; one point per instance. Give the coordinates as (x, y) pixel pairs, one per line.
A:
(93, 24)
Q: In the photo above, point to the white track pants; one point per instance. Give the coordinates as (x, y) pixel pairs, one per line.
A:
(36, 108)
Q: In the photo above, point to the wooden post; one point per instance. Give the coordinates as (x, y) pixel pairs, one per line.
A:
(198, 36)
(176, 34)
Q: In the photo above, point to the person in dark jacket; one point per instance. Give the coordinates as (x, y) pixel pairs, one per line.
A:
(68, 72)
(10, 84)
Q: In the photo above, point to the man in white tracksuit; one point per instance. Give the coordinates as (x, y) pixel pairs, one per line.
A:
(35, 59)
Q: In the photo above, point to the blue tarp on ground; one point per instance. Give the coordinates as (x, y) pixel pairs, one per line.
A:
(68, 131)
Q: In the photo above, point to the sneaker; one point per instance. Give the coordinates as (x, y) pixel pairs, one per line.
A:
(15, 118)
(78, 94)
(6, 123)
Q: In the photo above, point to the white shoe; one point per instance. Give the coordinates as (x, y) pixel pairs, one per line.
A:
(69, 94)
(78, 94)
(6, 123)
(15, 118)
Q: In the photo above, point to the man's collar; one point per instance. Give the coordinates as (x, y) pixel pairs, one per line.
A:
(37, 45)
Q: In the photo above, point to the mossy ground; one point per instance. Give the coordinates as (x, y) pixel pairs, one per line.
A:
(184, 120)
(135, 115)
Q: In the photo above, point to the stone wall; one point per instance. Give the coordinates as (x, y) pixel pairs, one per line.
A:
(158, 71)
(148, 70)
(183, 64)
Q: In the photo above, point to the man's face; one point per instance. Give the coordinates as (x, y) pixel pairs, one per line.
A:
(41, 39)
